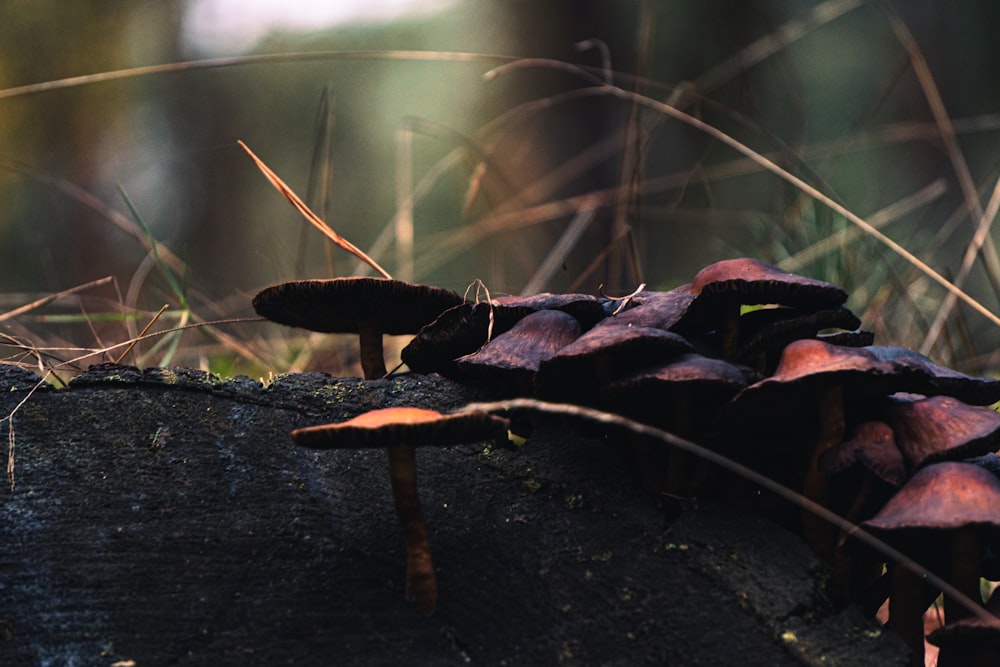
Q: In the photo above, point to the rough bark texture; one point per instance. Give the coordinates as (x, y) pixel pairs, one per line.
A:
(166, 518)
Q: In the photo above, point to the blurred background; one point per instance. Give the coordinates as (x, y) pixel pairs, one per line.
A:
(537, 178)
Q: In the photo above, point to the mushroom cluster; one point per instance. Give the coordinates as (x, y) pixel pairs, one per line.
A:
(772, 370)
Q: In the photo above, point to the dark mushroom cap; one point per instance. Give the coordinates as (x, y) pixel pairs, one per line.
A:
(402, 426)
(462, 330)
(980, 635)
(699, 384)
(941, 380)
(661, 310)
(808, 364)
(937, 428)
(337, 305)
(942, 496)
(575, 371)
(769, 330)
(750, 281)
(509, 361)
(872, 445)
(859, 338)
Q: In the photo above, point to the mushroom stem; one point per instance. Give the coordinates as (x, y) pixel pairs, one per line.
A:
(906, 610)
(819, 534)
(965, 571)
(421, 583)
(372, 355)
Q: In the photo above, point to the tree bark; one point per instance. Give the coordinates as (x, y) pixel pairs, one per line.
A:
(166, 517)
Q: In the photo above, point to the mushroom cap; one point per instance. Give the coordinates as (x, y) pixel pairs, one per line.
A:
(937, 428)
(751, 281)
(386, 427)
(662, 310)
(871, 444)
(688, 371)
(973, 633)
(808, 365)
(574, 370)
(941, 380)
(337, 305)
(771, 329)
(462, 330)
(942, 496)
(511, 359)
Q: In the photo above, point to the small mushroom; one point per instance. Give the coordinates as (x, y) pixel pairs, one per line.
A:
(577, 371)
(972, 641)
(721, 289)
(462, 330)
(400, 430)
(940, 380)
(369, 307)
(815, 381)
(941, 516)
(939, 428)
(507, 364)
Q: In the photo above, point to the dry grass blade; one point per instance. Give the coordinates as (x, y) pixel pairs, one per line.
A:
(981, 241)
(300, 205)
(52, 297)
(141, 333)
(773, 42)
(880, 218)
(971, 252)
(753, 476)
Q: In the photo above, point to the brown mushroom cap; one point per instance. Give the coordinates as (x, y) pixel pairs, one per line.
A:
(941, 428)
(749, 281)
(464, 329)
(402, 425)
(508, 363)
(942, 496)
(809, 366)
(870, 444)
(338, 305)
(576, 371)
(769, 330)
(662, 310)
(941, 380)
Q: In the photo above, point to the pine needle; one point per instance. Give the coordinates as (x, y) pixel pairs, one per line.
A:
(314, 219)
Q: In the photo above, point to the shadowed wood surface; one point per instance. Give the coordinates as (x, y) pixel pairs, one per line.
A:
(166, 518)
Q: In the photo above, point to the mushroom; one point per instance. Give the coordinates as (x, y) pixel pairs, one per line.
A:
(938, 428)
(721, 289)
(941, 516)
(972, 641)
(682, 395)
(941, 380)
(462, 330)
(577, 371)
(866, 470)
(813, 381)
(369, 307)
(400, 430)
(765, 332)
(509, 362)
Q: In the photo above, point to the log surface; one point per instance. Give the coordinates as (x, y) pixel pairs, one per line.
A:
(166, 518)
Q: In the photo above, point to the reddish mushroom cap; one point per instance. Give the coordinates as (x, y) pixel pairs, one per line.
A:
(386, 427)
(750, 281)
(871, 444)
(941, 428)
(942, 496)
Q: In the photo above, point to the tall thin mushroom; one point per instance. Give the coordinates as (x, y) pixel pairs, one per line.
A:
(400, 430)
